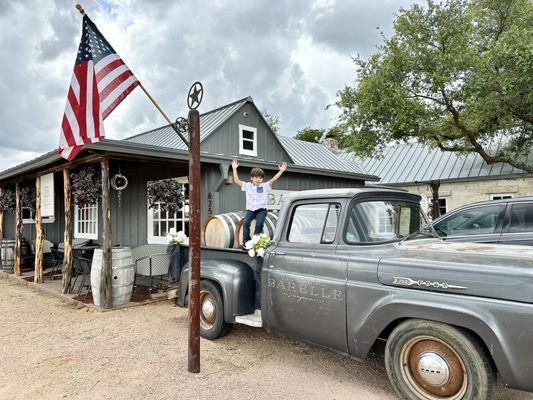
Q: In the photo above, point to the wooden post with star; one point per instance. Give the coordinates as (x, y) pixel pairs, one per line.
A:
(193, 100)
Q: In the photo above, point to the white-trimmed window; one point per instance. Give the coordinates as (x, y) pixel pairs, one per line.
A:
(247, 140)
(161, 221)
(86, 222)
(501, 196)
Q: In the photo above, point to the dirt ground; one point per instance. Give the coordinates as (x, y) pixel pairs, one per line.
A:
(51, 350)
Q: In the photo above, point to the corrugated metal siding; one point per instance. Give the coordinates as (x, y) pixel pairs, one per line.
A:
(316, 155)
(165, 136)
(408, 163)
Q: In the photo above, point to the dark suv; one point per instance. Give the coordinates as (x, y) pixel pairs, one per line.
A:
(507, 221)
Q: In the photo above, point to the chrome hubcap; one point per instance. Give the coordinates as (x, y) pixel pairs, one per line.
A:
(208, 311)
(433, 369)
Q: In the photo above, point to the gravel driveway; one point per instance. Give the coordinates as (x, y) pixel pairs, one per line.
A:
(51, 350)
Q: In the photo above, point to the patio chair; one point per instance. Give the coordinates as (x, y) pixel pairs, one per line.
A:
(82, 266)
(151, 260)
(57, 263)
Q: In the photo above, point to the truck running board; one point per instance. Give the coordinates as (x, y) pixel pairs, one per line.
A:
(250, 319)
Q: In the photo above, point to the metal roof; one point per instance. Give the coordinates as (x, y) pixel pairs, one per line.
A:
(414, 162)
(316, 155)
(165, 136)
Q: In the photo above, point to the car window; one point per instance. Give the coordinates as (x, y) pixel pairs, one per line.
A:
(472, 221)
(314, 223)
(521, 218)
(383, 221)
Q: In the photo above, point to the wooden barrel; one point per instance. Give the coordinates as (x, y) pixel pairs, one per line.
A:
(122, 276)
(219, 230)
(7, 254)
(269, 227)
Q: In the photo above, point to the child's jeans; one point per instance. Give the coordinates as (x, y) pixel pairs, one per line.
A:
(259, 216)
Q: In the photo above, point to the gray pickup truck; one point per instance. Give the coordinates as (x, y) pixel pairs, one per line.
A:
(348, 267)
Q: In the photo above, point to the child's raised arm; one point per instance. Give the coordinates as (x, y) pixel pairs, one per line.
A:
(282, 167)
(236, 179)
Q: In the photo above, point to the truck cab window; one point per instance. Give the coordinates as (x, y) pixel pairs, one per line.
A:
(383, 221)
(314, 223)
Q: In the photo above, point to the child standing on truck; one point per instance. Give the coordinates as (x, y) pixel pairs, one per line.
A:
(256, 197)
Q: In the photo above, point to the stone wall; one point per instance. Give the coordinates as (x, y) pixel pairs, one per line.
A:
(460, 193)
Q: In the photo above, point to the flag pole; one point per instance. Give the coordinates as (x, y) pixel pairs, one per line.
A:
(82, 12)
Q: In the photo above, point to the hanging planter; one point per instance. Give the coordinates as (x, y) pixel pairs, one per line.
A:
(7, 200)
(168, 193)
(28, 197)
(86, 186)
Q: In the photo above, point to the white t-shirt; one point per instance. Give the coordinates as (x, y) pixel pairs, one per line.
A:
(256, 196)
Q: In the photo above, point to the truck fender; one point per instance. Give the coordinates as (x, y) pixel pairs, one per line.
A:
(236, 281)
(484, 326)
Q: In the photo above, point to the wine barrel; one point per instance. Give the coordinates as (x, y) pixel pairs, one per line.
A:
(269, 227)
(219, 230)
(122, 276)
(7, 253)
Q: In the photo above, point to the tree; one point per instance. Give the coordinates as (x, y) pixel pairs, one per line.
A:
(456, 75)
(273, 120)
(310, 135)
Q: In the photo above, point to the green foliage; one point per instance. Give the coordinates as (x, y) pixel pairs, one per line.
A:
(7, 200)
(166, 192)
(310, 135)
(455, 75)
(273, 120)
(86, 186)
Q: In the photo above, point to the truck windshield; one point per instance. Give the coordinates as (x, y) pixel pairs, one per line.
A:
(380, 221)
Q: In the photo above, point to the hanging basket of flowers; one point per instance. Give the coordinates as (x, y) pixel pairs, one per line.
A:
(28, 197)
(7, 200)
(86, 186)
(167, 192)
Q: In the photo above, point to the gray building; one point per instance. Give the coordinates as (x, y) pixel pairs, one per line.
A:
(237, 130)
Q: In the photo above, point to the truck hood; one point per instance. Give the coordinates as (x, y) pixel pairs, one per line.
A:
(474, 269)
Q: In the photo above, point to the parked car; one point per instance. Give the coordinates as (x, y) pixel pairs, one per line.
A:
(507, 221)
(350, 266)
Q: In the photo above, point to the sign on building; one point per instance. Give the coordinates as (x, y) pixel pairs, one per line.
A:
(274, 198)
(47, 195)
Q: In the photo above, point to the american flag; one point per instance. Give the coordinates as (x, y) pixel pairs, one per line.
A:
(100, 81)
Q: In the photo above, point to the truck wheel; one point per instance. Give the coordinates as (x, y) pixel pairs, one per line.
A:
(428, 360)
(212, 324)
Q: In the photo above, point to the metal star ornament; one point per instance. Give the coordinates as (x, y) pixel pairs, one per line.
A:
(196, 93)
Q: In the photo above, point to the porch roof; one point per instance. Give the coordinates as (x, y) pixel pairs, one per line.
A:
(117, 148)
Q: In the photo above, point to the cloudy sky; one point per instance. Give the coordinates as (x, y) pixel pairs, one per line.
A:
(290, 56)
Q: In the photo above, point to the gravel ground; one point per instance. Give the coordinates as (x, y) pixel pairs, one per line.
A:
(51, 350)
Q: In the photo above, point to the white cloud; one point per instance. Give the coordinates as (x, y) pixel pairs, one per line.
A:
(291, 58)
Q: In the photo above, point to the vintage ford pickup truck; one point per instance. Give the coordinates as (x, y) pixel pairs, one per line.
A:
(350, 266)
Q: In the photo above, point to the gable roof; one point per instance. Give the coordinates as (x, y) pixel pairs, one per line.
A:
(165, 136)
(304, 154)
(414, 162)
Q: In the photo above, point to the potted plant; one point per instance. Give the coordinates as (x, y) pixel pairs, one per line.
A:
(178, 251)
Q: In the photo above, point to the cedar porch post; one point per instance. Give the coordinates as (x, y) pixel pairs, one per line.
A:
(18, 231)
(105, 278)
(67, 238)
(39, 239)
(1, 220)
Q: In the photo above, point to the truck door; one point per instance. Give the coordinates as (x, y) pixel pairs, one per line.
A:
(306, 280)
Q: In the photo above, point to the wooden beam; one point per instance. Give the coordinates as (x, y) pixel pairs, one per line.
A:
(39, 237)
(105, 278)
(90, 159)
(18, 230)
(67, 238)
(1, 220)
